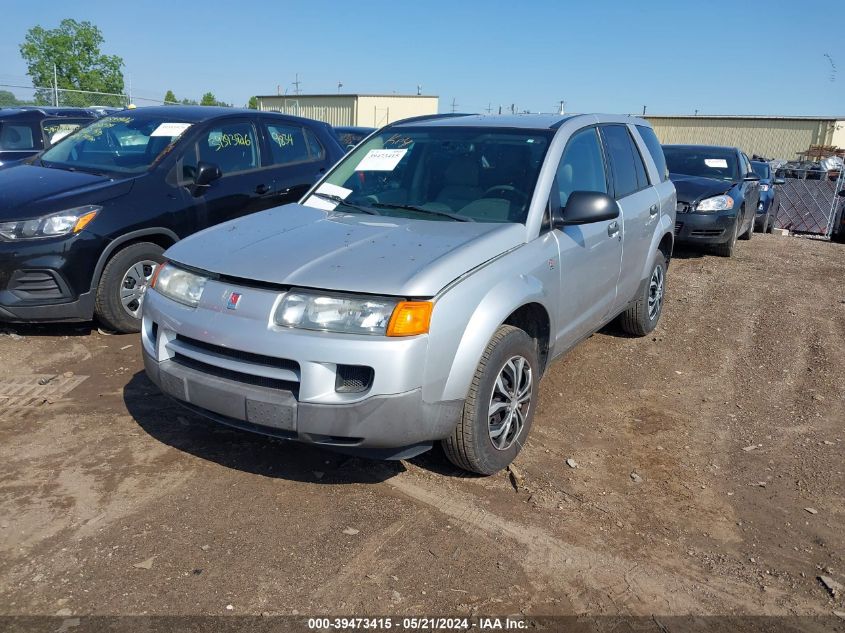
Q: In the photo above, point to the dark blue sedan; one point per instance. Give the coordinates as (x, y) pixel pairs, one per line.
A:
(718, 194)
(764, 221)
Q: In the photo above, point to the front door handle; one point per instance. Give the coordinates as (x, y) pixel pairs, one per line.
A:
(653, 209)
(262, 189)
(613, 229)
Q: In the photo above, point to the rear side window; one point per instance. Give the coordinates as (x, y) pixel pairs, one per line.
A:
(656, 151)
(16, 136)
(581, 166)
(291, 144)
(627, 165)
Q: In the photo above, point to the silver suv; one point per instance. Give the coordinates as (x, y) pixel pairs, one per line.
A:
(419, 291)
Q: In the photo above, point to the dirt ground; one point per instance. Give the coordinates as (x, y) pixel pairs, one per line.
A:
(708, 477)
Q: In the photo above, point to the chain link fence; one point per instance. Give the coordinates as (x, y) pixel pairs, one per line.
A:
(807, 201)
(63, 97)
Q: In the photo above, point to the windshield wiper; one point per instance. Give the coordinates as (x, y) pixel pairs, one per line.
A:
(67, 167)
(411, 207)
(340, 201)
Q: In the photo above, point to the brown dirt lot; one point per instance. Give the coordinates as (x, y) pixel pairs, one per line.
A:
(100, 475)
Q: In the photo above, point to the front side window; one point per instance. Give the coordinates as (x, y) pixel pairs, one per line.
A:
(125, 143)
(231, 146)
(439, 173)
(581, 166)
(56, 129)
(16, 136)
(702, 161)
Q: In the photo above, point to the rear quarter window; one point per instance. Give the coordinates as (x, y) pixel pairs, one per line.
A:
(656, 151)
(17, 136)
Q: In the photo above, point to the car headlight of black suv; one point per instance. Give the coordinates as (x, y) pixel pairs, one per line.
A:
(65, 222)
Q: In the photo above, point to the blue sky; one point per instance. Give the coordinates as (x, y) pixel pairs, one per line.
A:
(674, 57)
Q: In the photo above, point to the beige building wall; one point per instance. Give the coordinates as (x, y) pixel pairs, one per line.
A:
(376, 111)
(360, 110)
(781, 138)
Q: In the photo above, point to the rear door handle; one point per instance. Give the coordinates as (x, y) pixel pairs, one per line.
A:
(613, 229)
(262, 189)
(653, 209)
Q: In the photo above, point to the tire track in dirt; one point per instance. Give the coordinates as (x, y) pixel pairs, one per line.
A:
(598, 583)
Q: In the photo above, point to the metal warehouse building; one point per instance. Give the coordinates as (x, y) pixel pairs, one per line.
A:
(773, 137)
(351, 109)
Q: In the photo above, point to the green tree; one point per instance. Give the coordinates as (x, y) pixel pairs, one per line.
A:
(170, 98)
(253, 103)
(208, 99)
(7, 99)
(73, 49)
(189, 102)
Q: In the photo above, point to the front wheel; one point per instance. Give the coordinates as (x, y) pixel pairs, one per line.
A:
(726, 249)
(750, 232)
(641, 317)
(122, 286)
(499, 408)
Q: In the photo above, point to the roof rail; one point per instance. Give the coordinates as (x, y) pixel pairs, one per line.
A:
(427, 117)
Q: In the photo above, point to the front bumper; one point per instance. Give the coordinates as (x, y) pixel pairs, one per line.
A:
(239, 369)
(704, 228)
(48, 280)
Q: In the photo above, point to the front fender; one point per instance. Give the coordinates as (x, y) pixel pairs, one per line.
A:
(468, 314)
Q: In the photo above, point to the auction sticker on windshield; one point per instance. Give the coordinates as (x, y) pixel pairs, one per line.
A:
(170, 129)
(717, 163)
(328, 189)
(381, 160)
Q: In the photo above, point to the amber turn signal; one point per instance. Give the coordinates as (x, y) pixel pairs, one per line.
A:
(410, 318)
(83, 221)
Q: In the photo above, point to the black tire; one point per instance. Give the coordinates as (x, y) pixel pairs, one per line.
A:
(639, 319)
(750, 232)
(471, 446)
(765, 227)
(770, 225)
(108, 307)
(726, 249)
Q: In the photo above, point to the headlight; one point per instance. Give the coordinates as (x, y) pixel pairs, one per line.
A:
(716, 203)
(53, 225)
(353, 315)
(764, 187)
(179, 284)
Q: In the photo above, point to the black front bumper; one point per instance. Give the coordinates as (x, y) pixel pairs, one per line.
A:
(704, 228)
(48, 280)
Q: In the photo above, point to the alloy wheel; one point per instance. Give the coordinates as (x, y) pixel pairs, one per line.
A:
(509, 402)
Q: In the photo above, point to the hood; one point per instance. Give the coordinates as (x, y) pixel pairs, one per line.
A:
(691, 189)
(30, 191)
(296, 245)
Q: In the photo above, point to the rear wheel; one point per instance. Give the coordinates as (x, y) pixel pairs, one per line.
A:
(123, 284)
(499, 408)
(641, 317)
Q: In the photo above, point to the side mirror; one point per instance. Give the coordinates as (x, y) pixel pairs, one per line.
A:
(778, 181)
(206, 174)
(751, 177)
(584, 207)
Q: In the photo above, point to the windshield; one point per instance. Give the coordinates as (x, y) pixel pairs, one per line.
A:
(705, 162)
(125, 143)
(438, 173)
(761, 169)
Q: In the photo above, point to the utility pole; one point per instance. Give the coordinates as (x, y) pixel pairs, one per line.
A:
(644, 108)
(454, 105)
(562, 107)
(55, 86)
(296, 84)
(489, 107)
(513, 108)
(500, 108)
(339, 86)
(419, 90)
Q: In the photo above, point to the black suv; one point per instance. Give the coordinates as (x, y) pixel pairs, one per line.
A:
(83, 226)
(26, 131)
